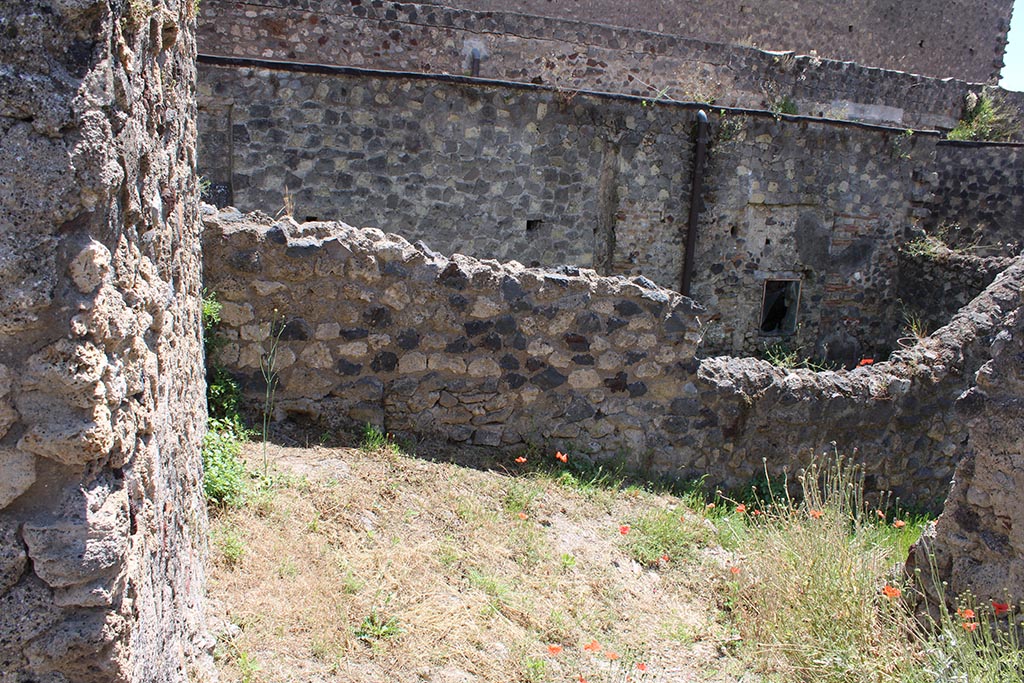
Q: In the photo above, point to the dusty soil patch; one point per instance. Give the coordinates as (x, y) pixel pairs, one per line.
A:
(376, 566)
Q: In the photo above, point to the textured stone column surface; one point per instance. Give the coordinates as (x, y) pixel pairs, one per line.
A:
(101, 383)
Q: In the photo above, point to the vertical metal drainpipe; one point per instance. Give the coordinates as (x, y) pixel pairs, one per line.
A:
(696, 189)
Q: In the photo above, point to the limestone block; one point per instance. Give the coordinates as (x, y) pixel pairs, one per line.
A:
(233, 314)
(412, 362)
(70, 437)
(12, 556)
(82, 545)
(90, 267)
(17, 474)
(584, 379)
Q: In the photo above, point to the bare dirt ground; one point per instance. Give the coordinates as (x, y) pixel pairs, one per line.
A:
(370, 565)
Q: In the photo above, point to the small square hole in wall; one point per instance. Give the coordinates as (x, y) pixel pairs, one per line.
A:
(533, 224)
(779, 306)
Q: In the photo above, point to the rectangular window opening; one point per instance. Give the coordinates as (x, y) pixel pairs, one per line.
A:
(533, 223)
(779, 306)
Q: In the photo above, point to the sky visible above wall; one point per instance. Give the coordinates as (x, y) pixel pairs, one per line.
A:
(1013, 61)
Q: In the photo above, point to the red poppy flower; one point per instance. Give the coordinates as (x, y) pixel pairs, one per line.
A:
(734, 570)
(1000, 608)
(592, 646)
(582, 679)
(891, 592)
(664, 558)
(970, 625)
(641, 666)
(816, 514)
(554, 649)
(561, 457)
(865, 361)
(520, 460)
(741, 508)
(966, 613)
(624, 529)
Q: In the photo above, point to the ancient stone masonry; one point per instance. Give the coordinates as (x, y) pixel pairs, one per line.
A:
(980, 196)
(978, 542)
(373, 329)
(559, 49)
(524, 173)
(936, 37)
(102, 520)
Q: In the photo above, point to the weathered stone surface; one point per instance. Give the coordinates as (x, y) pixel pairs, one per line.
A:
(646, 392)
(978, 540)
(101, 380)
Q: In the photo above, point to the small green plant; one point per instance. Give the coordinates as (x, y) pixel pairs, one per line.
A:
(986, 118)
(268, 368)
(375, 626)
(224, 475)
(902, 144)
(783, 105)
(534, 670)
(247, 666)
(782, 355)
(229, 544)
(664, 536)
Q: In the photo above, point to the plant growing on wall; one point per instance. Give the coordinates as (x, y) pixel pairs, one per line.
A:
(986, 118)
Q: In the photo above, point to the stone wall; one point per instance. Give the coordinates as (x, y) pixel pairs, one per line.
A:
(980, 196)
(526, 173)
(935, 37)
(373, 329)
(573, 55)
(102, 521)
(977, 544)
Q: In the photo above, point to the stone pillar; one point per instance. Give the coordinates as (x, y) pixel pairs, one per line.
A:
(101, 384)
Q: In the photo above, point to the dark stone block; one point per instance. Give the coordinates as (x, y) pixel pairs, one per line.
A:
(515, 380)
(519, 342)
(396, 269)
(635, 357)
(491, 342)
(616, 324)
(247, 261)
(576, 342)
(637, 389)
(377, 316)
(477, 327)
(408, 339)
(628, 308)
(579, 409)
(509, 362)
(583, 359)
(276, 236)
(453, 277)
(354, 333)
(385, 361)
(295, 329)
(548, 379)
(511, 290)
(534, 364)
(458, 302)
(617, 383)
(687, 407)
(506, 324)
(588, 322)
(302, 250)
(347, 368)
(675, 424)
(460, 345)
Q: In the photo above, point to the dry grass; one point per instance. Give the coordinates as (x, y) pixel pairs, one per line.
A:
(374, 566)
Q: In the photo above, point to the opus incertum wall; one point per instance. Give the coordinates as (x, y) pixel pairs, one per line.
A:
(562, 50)
(505, 171)
(102, 517)
(374, 329)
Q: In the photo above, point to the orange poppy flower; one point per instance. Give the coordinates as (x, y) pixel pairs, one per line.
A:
(756, 512)
(592, 646)
(899, 523)
(865, 361)
(881, 515)
(741, 508)
(523, 515)
(970, 625)
(734, 570)
(664, 558)
(624, 529)
(520, 460)
(1000, 608)
(561, 457)
(582, 679)
(641, 666)
(554, 649)
(966, 613)
(816, 514)
(891, 592)
(611, 655)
